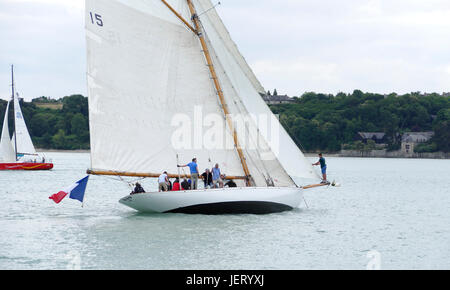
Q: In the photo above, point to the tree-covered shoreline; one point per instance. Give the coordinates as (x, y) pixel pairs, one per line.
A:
(316, 122)
(55, 124)
(325, 122)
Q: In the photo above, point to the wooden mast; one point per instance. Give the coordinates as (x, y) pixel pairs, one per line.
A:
(219, 90)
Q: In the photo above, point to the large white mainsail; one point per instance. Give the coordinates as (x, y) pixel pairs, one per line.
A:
(146, 75)
(149, 82)
(7, 154)
(23, 138)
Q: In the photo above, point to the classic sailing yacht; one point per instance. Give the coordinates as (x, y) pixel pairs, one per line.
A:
(19, 153)
(164, 71)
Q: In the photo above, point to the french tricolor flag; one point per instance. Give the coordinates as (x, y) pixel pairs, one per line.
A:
(76, 191)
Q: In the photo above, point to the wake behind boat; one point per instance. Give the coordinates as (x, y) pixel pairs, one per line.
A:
(19, 153)
(165, 79)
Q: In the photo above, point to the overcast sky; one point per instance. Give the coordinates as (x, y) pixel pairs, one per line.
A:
(293, 45)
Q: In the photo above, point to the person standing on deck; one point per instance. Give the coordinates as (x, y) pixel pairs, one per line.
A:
(217, 177)
(194, 173)
(323, 166)
(163, 182)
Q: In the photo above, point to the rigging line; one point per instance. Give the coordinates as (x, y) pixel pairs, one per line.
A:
(184, 173)
(240, 101)
(237, 103)
(265, 172)
(226, 126)
(292, 135)
(119, 178)
(249, 156)
(246, 71)
(204, 45)
(113, 178)
(299, 143)
(304, 199)
(256, 144)
(206, 11)
(258, 163)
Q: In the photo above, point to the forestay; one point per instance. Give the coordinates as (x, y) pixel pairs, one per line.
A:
(7, 154)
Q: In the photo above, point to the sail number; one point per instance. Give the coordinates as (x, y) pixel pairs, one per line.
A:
(96, 19)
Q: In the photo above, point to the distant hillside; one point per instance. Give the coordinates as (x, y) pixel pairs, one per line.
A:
(56, 124)
(316, 122)
(53, 106)
(321, 122)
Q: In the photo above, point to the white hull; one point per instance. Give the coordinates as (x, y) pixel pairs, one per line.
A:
(218, 201)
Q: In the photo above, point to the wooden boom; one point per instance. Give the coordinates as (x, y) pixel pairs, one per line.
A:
(151, 175)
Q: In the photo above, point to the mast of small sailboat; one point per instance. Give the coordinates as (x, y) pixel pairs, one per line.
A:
(13, 96)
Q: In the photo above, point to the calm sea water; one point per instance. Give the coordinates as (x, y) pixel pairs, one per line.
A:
(392, 213)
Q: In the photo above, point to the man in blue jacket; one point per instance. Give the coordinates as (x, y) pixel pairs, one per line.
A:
(194, 173)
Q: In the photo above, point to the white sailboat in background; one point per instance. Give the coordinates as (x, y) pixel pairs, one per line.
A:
(7, 153)
(19, 153)
(155, 69)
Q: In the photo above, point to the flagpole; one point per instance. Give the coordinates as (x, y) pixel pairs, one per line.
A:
(84, 197)
(179, 175)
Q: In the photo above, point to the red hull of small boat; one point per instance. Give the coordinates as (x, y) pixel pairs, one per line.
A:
(26, 166)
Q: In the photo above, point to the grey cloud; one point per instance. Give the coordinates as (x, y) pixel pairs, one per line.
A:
(293, 45)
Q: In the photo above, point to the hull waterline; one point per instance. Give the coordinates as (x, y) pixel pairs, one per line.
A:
(217, 201)
(26, 166)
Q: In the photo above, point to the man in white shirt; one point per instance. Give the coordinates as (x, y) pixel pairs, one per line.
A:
(163, 181)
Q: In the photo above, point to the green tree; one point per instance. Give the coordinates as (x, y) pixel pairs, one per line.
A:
(79, 124)
(442, 136)
(39, 124)
(76, 104)
(59, 140)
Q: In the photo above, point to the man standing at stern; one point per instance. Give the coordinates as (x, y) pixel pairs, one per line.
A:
(323, 166)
